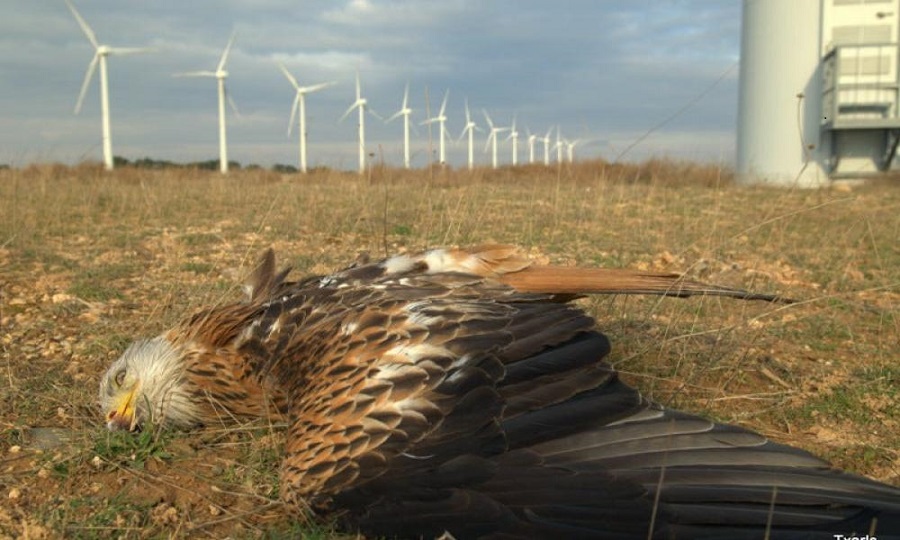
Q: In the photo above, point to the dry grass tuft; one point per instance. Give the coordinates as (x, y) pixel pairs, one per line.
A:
(91, 260)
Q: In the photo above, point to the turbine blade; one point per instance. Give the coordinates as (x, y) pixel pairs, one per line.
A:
(371, 111)
(84, 25)
(231, 103)
(224, 59)
(444, 103)
(488, 118)
(294, 109)
(289, 76)
(87, 80)
(394, 116)
(358, 87)
(349, 110)
(405, 97)
(487, 144)
(195, 74)
(316, 87)
(130, 50)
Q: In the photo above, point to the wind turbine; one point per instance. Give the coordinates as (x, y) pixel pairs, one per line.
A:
(514, 137)
(100, 54)
(361, 104)
(404, 111)
(220, 74)
(558, 146)
(531, 138)
(546, 140)
(492, 137)
(570, 149)
(470, 128)
(299, 106)
(441, 118)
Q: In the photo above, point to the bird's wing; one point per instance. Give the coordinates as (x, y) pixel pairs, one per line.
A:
(508, 265)
(426, 400)
(606, 463)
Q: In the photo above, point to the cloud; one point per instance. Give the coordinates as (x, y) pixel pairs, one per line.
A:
(416, 16)
(609, 70)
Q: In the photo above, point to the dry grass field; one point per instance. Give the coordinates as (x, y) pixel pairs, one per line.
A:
(90, 260)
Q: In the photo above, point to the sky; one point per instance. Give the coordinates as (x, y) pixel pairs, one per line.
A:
(606, 72)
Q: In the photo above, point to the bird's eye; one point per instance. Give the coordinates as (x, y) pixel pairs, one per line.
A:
(120, 377)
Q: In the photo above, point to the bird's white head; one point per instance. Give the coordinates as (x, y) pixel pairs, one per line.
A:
(146, 384)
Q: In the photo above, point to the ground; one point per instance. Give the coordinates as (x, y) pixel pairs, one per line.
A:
(91, 260)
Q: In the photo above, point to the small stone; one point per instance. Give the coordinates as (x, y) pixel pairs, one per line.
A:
(15, 449)
(15, 494)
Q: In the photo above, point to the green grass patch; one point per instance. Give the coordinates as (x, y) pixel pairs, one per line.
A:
(197, 267)
(133, 449)
(89, 518)
(201, 239)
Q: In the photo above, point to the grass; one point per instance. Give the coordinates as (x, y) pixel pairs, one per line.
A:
(135, 450)
(91, 260)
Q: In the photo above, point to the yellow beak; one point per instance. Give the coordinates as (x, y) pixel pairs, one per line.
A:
(123, 416)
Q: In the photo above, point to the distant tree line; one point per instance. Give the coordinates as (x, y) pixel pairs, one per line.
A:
(208, 165)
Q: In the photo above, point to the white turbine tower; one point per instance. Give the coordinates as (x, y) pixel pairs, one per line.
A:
(299, 109)
(492, 138)
(441, 118)
(220, 74)
(100, 54)
(361, 104)
(531, 138)
(514, 137)
(404, 111)
(546, 140)
(570, 149)
(471, 128)
(558, 146)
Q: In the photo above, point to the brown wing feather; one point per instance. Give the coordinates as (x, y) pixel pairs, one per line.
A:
(511, 267)
(360, 367)
(508, 265)
(582, 281)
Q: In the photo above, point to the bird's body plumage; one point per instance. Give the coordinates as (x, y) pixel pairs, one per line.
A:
(459, 391)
